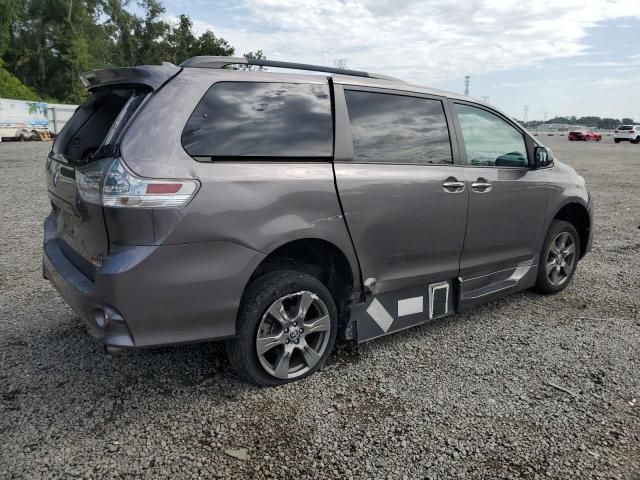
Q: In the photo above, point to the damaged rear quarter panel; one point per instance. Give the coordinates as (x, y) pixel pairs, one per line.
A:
(258, 204)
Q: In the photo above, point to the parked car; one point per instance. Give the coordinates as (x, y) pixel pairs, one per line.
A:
(278, 211)
(627, 133)
(586, 135)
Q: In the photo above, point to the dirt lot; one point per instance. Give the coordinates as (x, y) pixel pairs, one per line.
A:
(525, 387)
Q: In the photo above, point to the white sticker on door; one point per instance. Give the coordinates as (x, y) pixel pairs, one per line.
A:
(380, 315)
(410, 306)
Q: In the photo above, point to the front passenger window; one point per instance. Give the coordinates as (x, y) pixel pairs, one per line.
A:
(489, 140)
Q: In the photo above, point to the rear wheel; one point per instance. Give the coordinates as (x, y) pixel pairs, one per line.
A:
(559, 257)
(637, 140)
(616, 140)
(287, 326)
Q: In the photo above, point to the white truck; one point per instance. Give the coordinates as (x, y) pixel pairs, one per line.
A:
(22, 120)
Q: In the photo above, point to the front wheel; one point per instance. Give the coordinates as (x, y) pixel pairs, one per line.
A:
(287, 326)
(559, 257)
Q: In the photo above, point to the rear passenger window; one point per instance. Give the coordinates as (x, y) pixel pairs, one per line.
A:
(390, 128)
(260, 119)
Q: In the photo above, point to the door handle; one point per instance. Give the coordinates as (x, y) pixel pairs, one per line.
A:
(481, 186)
(452, 185)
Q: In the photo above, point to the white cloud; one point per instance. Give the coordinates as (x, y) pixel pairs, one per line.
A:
(609, 64)
(421, 41)
(613, 82)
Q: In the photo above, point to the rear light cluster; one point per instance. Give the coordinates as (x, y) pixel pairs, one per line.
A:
(110, 184)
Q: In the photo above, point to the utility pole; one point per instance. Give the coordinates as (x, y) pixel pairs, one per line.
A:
(466, 85)
(526, 114)
(545, 117)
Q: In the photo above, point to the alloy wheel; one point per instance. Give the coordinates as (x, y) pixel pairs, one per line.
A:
(293, 335)
(561, 258)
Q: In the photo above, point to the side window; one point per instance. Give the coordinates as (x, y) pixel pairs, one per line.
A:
(260, 119)
(489, 140)
(398, 129)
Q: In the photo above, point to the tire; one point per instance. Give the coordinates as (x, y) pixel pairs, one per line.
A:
(636, 141)
(616, 140)
(557, 267)
(283, 341)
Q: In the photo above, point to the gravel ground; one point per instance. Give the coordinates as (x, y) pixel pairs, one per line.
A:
(524, 387)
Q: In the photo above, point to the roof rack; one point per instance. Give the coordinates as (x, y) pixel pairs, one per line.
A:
(207, 61)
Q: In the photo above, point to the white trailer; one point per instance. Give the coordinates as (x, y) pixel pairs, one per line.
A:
(22, 120)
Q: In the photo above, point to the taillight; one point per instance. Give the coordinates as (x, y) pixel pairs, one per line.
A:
(110, 184)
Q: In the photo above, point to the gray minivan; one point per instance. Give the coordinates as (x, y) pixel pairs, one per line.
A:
(278, 211)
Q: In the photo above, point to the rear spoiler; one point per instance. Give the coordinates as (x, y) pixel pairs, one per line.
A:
(152, 76)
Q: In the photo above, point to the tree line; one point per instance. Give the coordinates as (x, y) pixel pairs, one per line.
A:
(588, 121)
(46, 44)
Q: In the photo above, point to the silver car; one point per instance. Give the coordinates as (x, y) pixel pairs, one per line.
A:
(278, 211)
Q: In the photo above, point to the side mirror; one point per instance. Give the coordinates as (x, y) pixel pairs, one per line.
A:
(542, 157)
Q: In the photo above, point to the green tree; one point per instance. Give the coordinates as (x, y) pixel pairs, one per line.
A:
(11, 87)
(121, 25)
(181, 40)
(150, 33)
(257, 55)
(209, 44)
(609, 123)
(47, 44)
(9, 13)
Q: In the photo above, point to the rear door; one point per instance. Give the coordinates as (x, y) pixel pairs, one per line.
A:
(403, 202)
(86, 144)
(507, 199)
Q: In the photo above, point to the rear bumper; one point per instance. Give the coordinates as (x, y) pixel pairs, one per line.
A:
(163, 294)
(79, 292)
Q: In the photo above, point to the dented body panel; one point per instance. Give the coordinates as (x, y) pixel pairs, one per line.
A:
(415, 250)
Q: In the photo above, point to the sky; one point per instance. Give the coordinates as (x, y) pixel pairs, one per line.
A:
(563, 57)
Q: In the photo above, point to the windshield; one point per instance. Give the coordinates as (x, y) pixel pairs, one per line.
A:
(626, 127)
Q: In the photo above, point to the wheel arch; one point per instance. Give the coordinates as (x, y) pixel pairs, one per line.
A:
(577, 214)
(319, 258)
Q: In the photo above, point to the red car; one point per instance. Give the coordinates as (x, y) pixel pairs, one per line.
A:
(585, 135)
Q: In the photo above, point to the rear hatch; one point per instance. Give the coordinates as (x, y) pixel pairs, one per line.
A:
(90, 138)
(625, 130)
